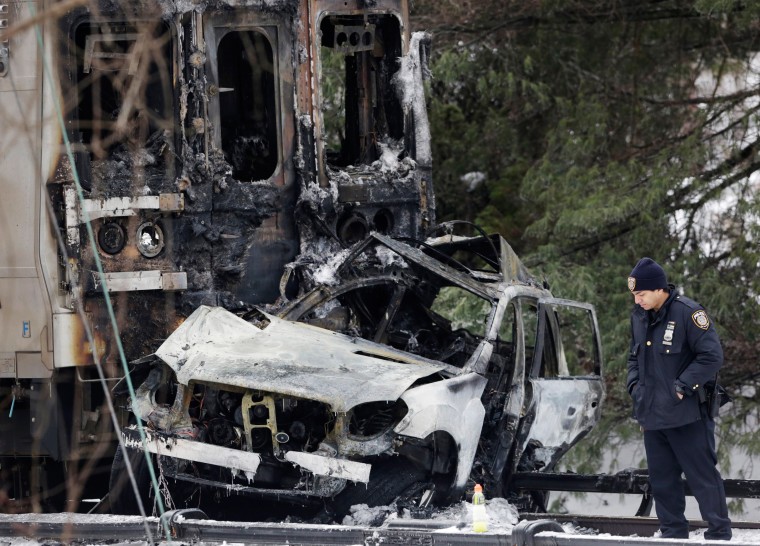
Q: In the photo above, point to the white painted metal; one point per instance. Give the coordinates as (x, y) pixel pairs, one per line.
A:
(327, 466)
(199, 451)
(127, 206)
(24, 310)
(453, 406)
(129, 281)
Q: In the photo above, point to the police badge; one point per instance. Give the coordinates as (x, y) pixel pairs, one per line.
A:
(701, 319)
(631, 283)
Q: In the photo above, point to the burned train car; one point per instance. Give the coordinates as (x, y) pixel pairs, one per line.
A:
(161, 155)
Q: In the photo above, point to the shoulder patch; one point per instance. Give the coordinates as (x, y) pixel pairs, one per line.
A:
(701, 319)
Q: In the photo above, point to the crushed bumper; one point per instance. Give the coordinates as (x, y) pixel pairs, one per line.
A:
(243, 461)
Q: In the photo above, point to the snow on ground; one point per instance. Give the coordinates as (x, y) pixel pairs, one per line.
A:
(502, 517)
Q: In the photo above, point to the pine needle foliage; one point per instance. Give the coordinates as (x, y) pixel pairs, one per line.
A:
(604, 131)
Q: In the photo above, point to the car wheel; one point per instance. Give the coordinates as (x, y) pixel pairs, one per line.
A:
(388, 480)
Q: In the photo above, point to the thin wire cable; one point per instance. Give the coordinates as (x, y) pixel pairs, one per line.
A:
(109, 306)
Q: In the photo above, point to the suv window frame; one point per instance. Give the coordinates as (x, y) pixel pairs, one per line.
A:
(545, 318)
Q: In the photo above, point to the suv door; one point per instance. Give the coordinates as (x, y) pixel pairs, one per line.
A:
(564, 383)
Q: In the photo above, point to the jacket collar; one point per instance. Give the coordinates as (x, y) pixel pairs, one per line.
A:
(650, 316)
(663, 311)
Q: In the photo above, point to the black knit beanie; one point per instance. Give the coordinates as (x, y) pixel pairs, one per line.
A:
(647, 275)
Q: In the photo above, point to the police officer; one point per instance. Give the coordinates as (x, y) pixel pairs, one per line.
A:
(674, 351)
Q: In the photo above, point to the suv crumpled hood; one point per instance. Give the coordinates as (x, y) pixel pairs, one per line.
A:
(216, 346)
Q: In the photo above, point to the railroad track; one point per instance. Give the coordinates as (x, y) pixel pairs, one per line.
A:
(625, 526)
(190, 527)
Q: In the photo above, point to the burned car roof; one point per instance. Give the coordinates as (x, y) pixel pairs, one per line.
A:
(216, 346)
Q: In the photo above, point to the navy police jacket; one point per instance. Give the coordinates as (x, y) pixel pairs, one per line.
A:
(676, 348)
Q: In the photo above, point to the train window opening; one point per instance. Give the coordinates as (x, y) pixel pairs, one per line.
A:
(124, 97)
(247, 104)
(360, 109)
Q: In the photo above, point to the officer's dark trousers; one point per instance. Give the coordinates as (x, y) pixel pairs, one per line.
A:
(689, 449)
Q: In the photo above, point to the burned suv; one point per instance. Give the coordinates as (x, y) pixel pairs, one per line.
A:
(411, 368)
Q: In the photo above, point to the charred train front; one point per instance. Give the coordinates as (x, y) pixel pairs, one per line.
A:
(156, 156)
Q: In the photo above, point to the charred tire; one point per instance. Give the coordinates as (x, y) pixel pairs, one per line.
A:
(387, 481)
(539, 501)
(121, 494)
(531, 502)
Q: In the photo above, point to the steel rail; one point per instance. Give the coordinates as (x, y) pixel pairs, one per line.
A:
(192, 527)
(626, 526)
(631, 481)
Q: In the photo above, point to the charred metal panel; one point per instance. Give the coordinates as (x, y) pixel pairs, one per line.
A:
(195, 451)
(142, 131)
(211, 112)
(564, 412)
(368, 179)
(252, 110)
(564, 387)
